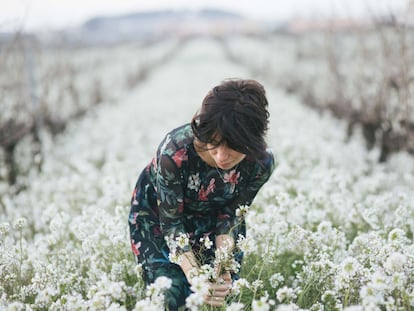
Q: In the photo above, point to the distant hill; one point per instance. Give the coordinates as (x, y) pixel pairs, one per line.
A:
(153, 25)
(146, 26)
(97, 23)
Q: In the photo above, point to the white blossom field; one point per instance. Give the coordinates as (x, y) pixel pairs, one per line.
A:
(331, 230)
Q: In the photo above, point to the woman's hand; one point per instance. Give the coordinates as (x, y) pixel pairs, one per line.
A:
(218, 291)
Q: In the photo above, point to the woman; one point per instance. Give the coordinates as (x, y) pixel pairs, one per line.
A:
(201, 174)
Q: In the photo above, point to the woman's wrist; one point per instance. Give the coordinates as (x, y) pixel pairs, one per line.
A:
(189, 265)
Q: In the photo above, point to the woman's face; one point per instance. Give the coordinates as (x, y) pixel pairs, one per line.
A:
(224, 157)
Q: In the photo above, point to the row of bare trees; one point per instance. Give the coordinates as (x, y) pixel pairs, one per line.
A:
(363, 74)
(18, 102)
(373, 86)
(42, 90)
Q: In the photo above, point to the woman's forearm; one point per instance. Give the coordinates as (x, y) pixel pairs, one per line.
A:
(188, 263)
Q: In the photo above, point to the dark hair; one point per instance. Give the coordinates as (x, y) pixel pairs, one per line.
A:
(236, 111)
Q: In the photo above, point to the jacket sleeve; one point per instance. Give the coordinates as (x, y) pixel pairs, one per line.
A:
(170, 197)
(227, 220)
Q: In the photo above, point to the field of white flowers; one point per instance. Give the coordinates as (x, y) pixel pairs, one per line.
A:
(332, 229)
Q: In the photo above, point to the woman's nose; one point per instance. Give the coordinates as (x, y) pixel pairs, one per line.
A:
(222, 153)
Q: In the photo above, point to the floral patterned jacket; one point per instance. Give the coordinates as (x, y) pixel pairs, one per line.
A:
(180, 193)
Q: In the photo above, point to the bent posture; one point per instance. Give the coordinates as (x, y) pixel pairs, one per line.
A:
(201, 174)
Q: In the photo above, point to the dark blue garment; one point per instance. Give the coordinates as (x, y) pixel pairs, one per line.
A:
(178, 193)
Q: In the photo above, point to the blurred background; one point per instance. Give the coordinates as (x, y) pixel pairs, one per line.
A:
(351, 58)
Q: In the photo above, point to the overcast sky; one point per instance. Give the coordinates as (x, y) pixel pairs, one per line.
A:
(55, 14)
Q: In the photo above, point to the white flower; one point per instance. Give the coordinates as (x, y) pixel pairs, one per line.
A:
(154, 290)
(73, 301)
(242, 211)
(395, 262)
(398, 280)
(246, 245)
(116, 289)
(378, 281)
(99, 300)
(224, 260)
(4, 228)
(349, 267)
(163, 282)
(282, 198)
(207, 243)
(325, 227)
(341, 282)
(114, 306)
(46, 295)
(200, 288)
(370, 295)
(222, 253)
(329, 297)
(397, 236)
(317, 306)
(145, 305)
(194, 301)
(276, 279)
(199, 284)
(183, 240)
(289, 307)
(206, 271)
(19, 223)
(16, 306)
(56, 223)
(138, 269)
(257, 284)
(260, 305)
(235, 306)
(285, 294)
(175, 257)
(390, 304)
(239, 284)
